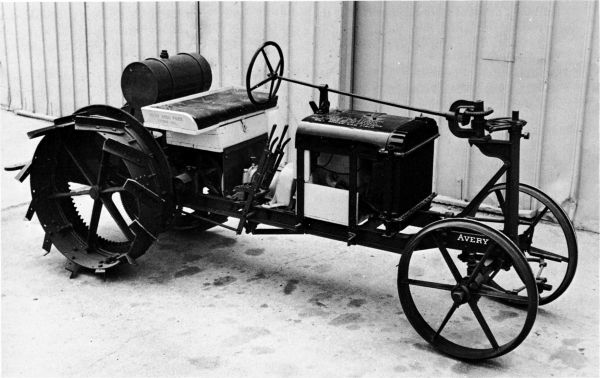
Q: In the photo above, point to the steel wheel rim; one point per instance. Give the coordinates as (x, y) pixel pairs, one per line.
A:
(439, 341)
(71, 155)
(570, 238)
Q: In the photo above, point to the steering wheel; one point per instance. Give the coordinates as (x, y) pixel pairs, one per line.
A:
(273, 79)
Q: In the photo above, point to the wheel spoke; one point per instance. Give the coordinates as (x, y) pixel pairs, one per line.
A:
(271, 88)
(483, 324)
(278, 66)
(449, 262)
(433, 285)
(112, 189)
(501, 201)
(262, 83)
(89, 177)
(267, 61)
(535, 220)
(495, 293)
(118, 218)
(94, 220)
(538, 252)
(480, 264)
(76, 192)
(446, 318)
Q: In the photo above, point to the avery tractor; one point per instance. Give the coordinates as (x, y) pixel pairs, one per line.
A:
(179, 155)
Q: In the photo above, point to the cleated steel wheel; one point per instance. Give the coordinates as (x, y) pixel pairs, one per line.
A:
(552, 251)
(445, 280)
(101, 188)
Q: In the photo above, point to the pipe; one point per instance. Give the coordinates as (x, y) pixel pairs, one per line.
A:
(26, 113)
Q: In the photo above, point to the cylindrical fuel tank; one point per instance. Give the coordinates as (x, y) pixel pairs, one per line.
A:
(160, 79)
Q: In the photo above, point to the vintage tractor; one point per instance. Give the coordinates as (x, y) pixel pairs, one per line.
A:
(179, 156)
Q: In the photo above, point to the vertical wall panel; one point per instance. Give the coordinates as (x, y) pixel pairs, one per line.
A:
(530, 76)
(565, 81)
(210, 26)
(459, 81)
(148, 35)
(587, 209)
(396, 54)
(253, 33)
(80, 54)
(276, 27)
(167, 26)
(12, 60)
(4, 76)
(130, 32)
(327, 47)
(51, 75)
(96, 52)
(65, 58)
(38, 66)
(24, 55)
(526, 56)
(231, 39)
(494, 80)
(112, 48)
(187, 26)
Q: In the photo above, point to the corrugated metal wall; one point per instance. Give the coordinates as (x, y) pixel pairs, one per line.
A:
(57, 57)
(538, 57)
(309, 33)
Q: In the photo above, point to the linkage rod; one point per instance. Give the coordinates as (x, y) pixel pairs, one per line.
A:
(370, 99)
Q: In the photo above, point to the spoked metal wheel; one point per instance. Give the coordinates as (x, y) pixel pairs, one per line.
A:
(444, 280)
(264, 73)
(551, 251)
(85, 173)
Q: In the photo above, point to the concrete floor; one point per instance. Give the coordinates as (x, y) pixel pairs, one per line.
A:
(213, 304)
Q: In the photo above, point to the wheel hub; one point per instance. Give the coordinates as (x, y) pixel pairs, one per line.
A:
(460, 294)
(95, 192)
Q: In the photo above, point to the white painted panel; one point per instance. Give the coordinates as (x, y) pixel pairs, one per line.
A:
(460, 71)
(65, 58)
(24, 53)
(587, 208)
(301, 60)
(167, 26)
(130, 32)
(148, 35)
(526, 56)
(112, 49)
(210, 31)
(277, 28)
(367, 46)
(4, 76)
(52, 79)
(565, 81)
(80, 54)
(494, 79)
(231, 43)
(327, 47)
(187, 26)
(533, 45)
(96, 52)
(12, 60)
(396, 52)
(253, 33)
(38, 66)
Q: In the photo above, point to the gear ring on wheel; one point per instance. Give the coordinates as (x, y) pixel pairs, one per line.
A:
(103, 156)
